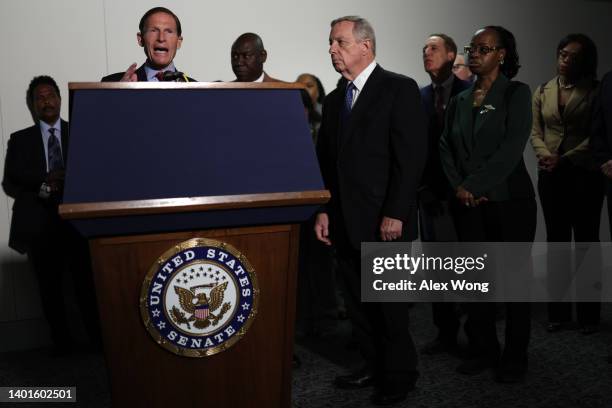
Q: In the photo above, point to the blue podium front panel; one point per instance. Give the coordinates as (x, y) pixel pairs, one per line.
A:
(160, 143)
(137, 144)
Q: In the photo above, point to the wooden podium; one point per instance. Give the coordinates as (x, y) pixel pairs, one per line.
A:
(154, 165)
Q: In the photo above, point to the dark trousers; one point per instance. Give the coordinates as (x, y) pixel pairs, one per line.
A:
(571, 199)
(506, 221)
(63, 249)
(316, 280)
(381, 329)
(436, 225)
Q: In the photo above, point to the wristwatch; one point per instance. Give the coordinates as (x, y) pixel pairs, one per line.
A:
(45, 190)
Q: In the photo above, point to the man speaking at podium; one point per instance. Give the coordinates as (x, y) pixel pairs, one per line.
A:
(160, 36)
(372, 147)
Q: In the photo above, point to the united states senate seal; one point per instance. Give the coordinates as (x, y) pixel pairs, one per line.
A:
(199, 298)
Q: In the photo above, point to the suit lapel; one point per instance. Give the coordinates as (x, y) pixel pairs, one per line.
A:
(141, 74)
(428, 102)
(464, 113)
(551, 96)
(39, 147)
(493, 100)
(366, 99)
(580, 92)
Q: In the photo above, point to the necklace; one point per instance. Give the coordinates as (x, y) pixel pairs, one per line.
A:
(479, 95)
(563, 85)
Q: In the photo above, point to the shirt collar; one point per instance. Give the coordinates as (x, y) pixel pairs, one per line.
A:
(261, 77)
(361, 79)
(44, 127)
(151, 72)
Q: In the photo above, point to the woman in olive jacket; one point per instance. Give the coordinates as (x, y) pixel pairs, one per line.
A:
(570, 185)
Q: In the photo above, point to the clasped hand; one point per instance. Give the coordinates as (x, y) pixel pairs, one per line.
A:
(606, 169)
(467, 199)
(55, 181)
(548, 163)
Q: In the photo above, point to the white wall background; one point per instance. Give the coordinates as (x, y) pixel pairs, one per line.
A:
(82, 40)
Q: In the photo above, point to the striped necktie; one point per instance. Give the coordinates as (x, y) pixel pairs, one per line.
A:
(54, 152)
(348, 101)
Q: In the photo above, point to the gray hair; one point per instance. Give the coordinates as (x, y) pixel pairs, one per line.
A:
(362, 30)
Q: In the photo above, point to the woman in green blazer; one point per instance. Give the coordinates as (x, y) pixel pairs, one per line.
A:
(570, 184)
(487, 128)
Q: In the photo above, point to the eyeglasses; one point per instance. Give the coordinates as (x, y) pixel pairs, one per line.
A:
(568, 55)
(482, 49)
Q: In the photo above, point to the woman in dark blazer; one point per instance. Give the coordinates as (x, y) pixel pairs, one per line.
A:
(487, 128)
(570, 184)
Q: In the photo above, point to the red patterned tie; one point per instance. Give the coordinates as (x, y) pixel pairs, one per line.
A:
(160, 75)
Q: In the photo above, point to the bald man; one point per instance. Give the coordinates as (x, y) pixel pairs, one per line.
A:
(248, 57)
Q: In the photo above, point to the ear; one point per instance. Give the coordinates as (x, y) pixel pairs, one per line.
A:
(366, 46)
(502, 54)
(139, 39)
(264, 56)
(180, 41)
(451, 56)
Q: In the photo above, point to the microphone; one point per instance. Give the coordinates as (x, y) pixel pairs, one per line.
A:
(170, 76)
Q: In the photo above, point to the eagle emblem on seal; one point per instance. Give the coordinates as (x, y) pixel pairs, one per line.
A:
(195, 302)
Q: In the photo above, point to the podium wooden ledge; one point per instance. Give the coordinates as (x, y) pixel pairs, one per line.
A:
(190, 204)
(184, 85)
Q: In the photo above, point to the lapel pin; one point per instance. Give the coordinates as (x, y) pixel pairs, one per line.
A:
(486, 109)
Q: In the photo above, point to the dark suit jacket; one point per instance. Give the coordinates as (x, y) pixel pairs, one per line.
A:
(24, 172)
(116, 77)
(266, 78)
(482, 149)
(434, 179)
(601, 126)
(141, 74)
(373, 163)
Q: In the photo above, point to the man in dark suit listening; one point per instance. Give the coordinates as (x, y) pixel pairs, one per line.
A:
(439, 53)
(160, 36)
(372, 147)
(601, 139)
(248, 57)
(34, 177)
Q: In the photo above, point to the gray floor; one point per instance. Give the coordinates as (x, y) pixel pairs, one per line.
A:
(567, 369)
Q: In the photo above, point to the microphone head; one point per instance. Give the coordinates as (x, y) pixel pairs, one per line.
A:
(173, 76)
